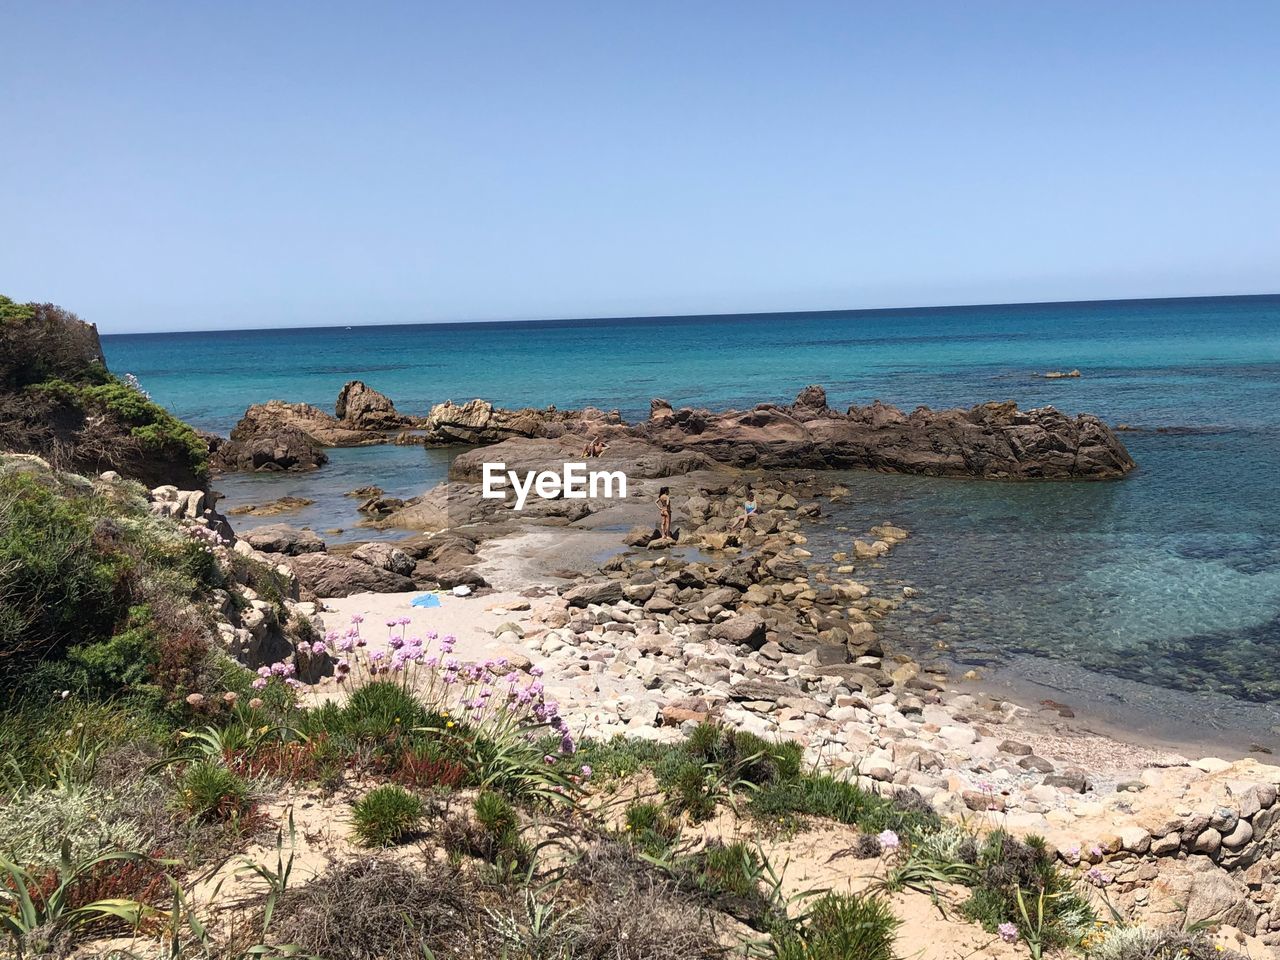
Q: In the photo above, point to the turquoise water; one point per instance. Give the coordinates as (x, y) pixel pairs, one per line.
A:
(1171, 576)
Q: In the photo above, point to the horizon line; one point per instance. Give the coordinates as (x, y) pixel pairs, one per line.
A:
(745, 315)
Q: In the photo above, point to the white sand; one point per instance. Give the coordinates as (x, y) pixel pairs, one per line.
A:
(472, 621)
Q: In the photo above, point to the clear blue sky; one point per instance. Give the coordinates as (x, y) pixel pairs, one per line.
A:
(173, 165)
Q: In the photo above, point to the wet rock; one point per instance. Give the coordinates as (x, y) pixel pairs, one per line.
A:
(279, 436)
(272, 508)
(992, 440)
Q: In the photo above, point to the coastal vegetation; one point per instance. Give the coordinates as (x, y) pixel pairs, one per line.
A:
(194, 764)
(59, 401)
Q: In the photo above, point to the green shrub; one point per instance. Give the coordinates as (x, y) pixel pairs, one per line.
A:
(495, 814)
(694, 790)
(1017, 881)
(157, 430)
(729, 868)
(381, 709)
(11, 312)
(210, 791)
(124, 662)
(386, 815)
(500, 830)
(841, 927)
(650, 828)
(619, 757)
(61, 581)
(715, 760)
(822, 795)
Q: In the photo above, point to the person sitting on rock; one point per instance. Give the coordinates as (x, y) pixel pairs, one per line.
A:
(748, 511)
(664, 512)
(595, 448)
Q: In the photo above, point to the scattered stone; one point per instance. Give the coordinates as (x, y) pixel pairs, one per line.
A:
(1070, 781)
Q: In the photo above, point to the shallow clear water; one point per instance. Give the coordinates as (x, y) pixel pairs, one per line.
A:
(1171, 575)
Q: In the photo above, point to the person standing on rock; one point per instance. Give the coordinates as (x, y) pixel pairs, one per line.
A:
(748, 511)
(664, 512)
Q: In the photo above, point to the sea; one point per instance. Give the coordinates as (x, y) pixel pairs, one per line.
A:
(1167, 581)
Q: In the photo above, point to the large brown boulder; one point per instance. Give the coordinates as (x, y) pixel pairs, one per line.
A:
(282, 538)
(287, 436)
(385, 555)
(746, 628)
(267, 438)
(364, 408)
(329, 575)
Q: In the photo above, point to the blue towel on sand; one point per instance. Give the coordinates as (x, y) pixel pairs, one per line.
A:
(425, 600)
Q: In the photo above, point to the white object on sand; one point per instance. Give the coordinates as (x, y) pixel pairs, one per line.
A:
(461, 590)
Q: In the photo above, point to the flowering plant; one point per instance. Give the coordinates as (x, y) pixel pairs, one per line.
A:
(501, 716)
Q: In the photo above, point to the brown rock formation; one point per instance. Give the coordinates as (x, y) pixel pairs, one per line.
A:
(992, 440)
(363, 408)
(268, 438)
(479, 422)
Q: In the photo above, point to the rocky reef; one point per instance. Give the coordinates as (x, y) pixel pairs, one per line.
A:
(994, 441)
(480, 422)
(282, 436)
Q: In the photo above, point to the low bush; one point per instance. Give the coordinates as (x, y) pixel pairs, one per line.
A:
(650, 828)
(1142, 943)
(208, 790)
(492, 833)
(92, 819)
(1017, 881)
(386, 815)
(153, 429)
(372, 908)
(840, 927)
(619, 757)
(62, 582)
(822, 795)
